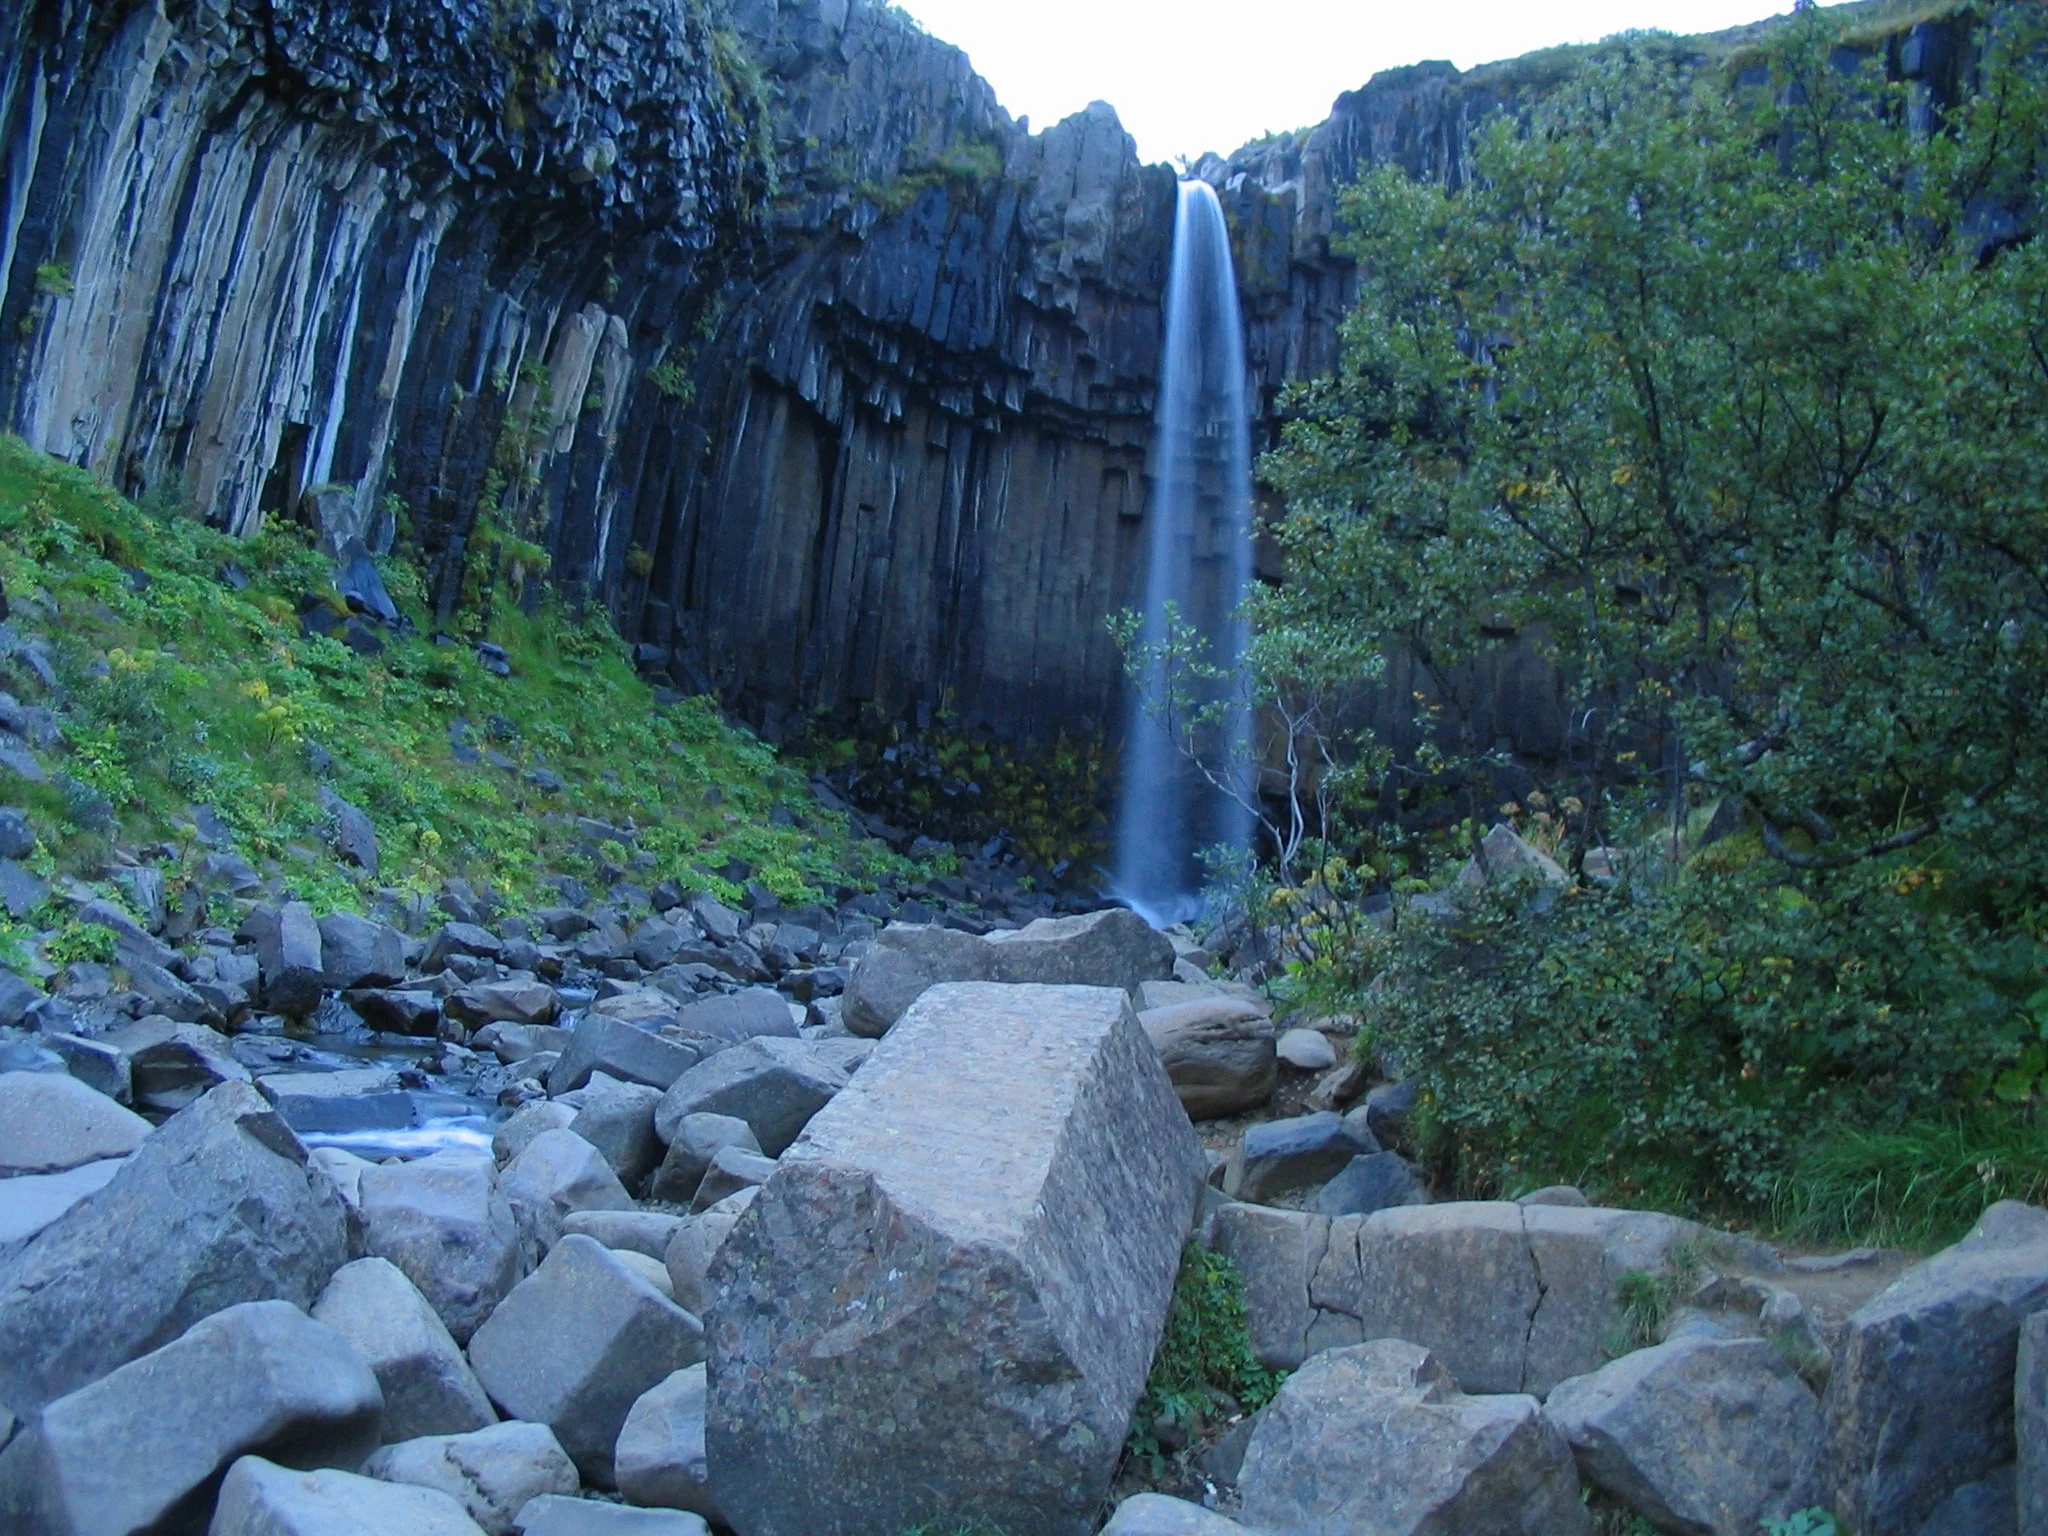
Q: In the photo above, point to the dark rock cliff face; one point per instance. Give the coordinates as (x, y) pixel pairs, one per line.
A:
(472, 272)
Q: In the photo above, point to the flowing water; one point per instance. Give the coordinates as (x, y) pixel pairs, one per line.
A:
(1198, 564)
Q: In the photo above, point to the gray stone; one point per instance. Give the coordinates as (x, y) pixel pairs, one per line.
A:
(1277, 1254)
(17, 998)
(140, 1448)
(1506, 857)
(132, 942)
(260, 1498)
(731, 1171)
(774, 1085)
(460, 939)
(1376, 1182)
(695, 1140)
(1154, 1514)
(516, 1042)
(219, 1206)
(398, 1010)
(1987, 1507)
(617, 1118)
(163, 993)
(355, 835)
(717, 920)
(449, 1228)
(695, 1244)
(518, 1129)
(557, 1516)
(560, 1172)
(346, 1170)
(31, 1201)
(294, 969)
(653, 1271)
(1278, 1157)
(50, 1122)
(601, 1043)
(428, 1386)
(644, 1232)
(17, 837)
(2030, 1424)
(1555, 1194)
(492, 1473)
(1703, 1436)
(95, 1063)
(171, 1064)
(514, 1000)
(963, 1266)
(576, 1344)
(1921, 1399)
(661, 1448)
(1386, 1109)
(1376, 1440)
(739, 1016)
(352, 1099)
(1309, 1050)
(21, 892)
(358, 952)
(1218, 1053)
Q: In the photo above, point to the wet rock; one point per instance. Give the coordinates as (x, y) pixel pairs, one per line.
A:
(1009, 1180)
(260, 1498)
(443, 1221)
(1376, 1182)
(139, 1448)
(660, 1457)
(294, 964)
(557, 1173)
(357, 952)
(398, 1011)
(353, 1099)
(1703, 1435)
(50, 1122)
(696, 1139)
(1218, 1053)
(492, 1473)
(1921, 1399)
(1277, 1157)
(428, 1386)
(1376, 1439)
(219, 1206)
(774, 1085)
(576, 1344)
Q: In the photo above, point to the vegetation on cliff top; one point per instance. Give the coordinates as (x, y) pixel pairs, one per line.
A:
(1732, 408)
(187, 679)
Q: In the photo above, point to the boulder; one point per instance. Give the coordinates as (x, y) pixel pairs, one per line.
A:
(601, 1043)
(617, 1118)
(577, 1343)
(697, 1138)
(172, 1064)
(739, 1016)
(514, 1000)
(696, 1242)
(443, 1221)
(491, 1473)
(398, 1011)
(260, 1498)
(653, 1271)
(95, 1063)
(647, 1232)
(352, 1099)
(30, 1202)
(1218, 1053)
(1277, 1253)
(731, 1171)
(1506, 857)
(354, 836)
(1110, 948)
(219, 1206)
(142, 1447)
(553, 1515)
(1307, 1050)
(2030, 1425)
(660, 1456)
(428, 1386)
(50, 1122)
(360, 952)
(560, 1172)
(460, 939)
(1921, 1399)
(961, 1269)
(1154, 1514)
(294, 965)
(774, 1085)
(1703, 1435)
(1277, 1157)
(1376, 1182)
(1376, 1439)
(517, 1130)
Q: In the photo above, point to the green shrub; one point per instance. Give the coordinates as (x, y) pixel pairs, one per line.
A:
(1204, 1362)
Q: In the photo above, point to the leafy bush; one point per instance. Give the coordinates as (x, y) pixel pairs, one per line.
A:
(1204, 1362)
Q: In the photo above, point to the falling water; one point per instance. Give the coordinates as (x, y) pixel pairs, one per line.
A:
(1198, 561)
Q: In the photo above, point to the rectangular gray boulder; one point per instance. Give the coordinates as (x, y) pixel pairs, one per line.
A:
(943, 1306)
(221, 1205)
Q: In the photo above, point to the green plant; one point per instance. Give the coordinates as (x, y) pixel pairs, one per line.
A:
(75, 942)
(53, 280)
(1646, 1297)
(1204, 1365)
(672, 379)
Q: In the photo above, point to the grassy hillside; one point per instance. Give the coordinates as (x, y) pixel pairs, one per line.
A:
(185, 674)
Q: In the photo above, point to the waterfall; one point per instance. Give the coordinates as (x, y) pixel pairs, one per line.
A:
(1198, 563)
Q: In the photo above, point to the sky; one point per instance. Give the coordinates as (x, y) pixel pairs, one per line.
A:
(1193, 75)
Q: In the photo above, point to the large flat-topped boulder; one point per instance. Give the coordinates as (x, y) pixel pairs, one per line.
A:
(1110, 948)
(50, 1122)
(941, 1309)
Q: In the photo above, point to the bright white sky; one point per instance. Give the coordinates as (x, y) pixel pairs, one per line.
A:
(1193, 75)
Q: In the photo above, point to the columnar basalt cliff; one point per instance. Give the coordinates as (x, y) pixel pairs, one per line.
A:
(767, 324)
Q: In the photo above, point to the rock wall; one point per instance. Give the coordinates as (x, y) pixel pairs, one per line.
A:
(866, 427)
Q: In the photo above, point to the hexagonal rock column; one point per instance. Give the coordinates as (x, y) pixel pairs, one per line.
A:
(942, 1307)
